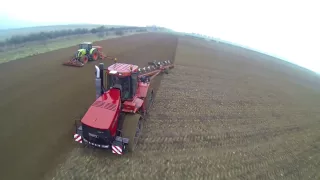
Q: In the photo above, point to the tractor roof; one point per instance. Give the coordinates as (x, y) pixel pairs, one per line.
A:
(86, 43)
(122, 69)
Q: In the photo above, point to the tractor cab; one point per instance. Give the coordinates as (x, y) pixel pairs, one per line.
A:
(124, 77)
(86, 45)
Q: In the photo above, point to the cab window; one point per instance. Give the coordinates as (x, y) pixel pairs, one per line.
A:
(134, 80)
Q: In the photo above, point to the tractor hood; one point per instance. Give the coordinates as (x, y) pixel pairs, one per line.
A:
(103, 113)
(81, 50)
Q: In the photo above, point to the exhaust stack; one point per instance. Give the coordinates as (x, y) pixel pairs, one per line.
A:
(101, 67)
(98, 82)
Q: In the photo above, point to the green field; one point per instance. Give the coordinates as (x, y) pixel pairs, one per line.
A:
(32, 48)
(51, 45)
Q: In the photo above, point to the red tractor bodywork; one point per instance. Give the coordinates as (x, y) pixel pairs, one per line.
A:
(103, 113)
(121, 89)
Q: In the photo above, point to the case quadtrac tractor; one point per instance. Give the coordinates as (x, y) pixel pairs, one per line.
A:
(85, 53)
(123, 99)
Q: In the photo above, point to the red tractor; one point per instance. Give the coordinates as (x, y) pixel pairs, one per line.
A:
(123, 98)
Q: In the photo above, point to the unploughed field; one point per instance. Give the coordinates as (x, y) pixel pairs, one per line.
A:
(39, 47)
(221, 113)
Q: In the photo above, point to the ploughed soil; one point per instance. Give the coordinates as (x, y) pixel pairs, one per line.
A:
(41, 99)
(223, 112)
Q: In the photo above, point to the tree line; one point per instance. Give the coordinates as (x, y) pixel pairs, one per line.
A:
(43, 36)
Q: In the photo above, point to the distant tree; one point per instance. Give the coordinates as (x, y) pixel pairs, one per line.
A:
(100, 34)
(44, 36)
(93, 30)
(101, 29)
(141, 30)
(119, 32)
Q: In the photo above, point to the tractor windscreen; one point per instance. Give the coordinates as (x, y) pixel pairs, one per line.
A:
(83, 46)
(123, 81)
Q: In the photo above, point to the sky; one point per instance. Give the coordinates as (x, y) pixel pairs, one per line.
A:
(288, 29)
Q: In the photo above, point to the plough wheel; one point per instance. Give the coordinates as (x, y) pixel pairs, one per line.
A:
(131, 129)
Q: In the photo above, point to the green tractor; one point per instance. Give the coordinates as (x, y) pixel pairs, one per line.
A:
(85, 53)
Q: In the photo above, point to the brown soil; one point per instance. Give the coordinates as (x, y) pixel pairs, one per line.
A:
(221, 113)
(41, 99)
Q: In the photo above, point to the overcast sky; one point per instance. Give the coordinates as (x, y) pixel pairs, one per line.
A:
(288, 29)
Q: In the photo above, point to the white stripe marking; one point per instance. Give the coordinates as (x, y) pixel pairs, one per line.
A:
(116, 150)
(78, 139)
(119, 149)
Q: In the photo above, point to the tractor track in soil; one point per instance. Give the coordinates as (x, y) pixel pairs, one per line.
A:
(221, 113)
